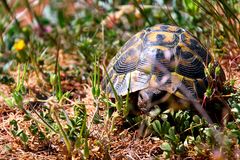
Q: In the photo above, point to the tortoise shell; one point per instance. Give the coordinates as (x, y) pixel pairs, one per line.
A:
(163, 57)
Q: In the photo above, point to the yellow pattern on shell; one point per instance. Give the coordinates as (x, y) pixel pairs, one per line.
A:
(168, 37)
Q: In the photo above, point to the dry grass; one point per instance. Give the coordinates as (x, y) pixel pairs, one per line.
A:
(122, 143)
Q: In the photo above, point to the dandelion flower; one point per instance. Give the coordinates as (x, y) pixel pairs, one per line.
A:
(19, 45)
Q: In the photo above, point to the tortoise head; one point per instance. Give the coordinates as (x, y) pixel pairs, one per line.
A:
(149, 97)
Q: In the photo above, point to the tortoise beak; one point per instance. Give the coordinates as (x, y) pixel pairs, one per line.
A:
(144, 101)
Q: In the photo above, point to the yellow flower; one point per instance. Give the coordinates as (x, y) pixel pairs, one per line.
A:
(19, 45)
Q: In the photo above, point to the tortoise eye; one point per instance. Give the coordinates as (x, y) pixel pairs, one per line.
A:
(140, 96)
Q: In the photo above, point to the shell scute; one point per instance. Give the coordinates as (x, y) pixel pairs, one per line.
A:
(191, 43)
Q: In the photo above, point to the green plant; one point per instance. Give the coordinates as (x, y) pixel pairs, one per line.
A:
(17, 132)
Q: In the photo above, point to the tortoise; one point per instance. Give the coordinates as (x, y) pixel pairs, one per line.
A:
(158, 63)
